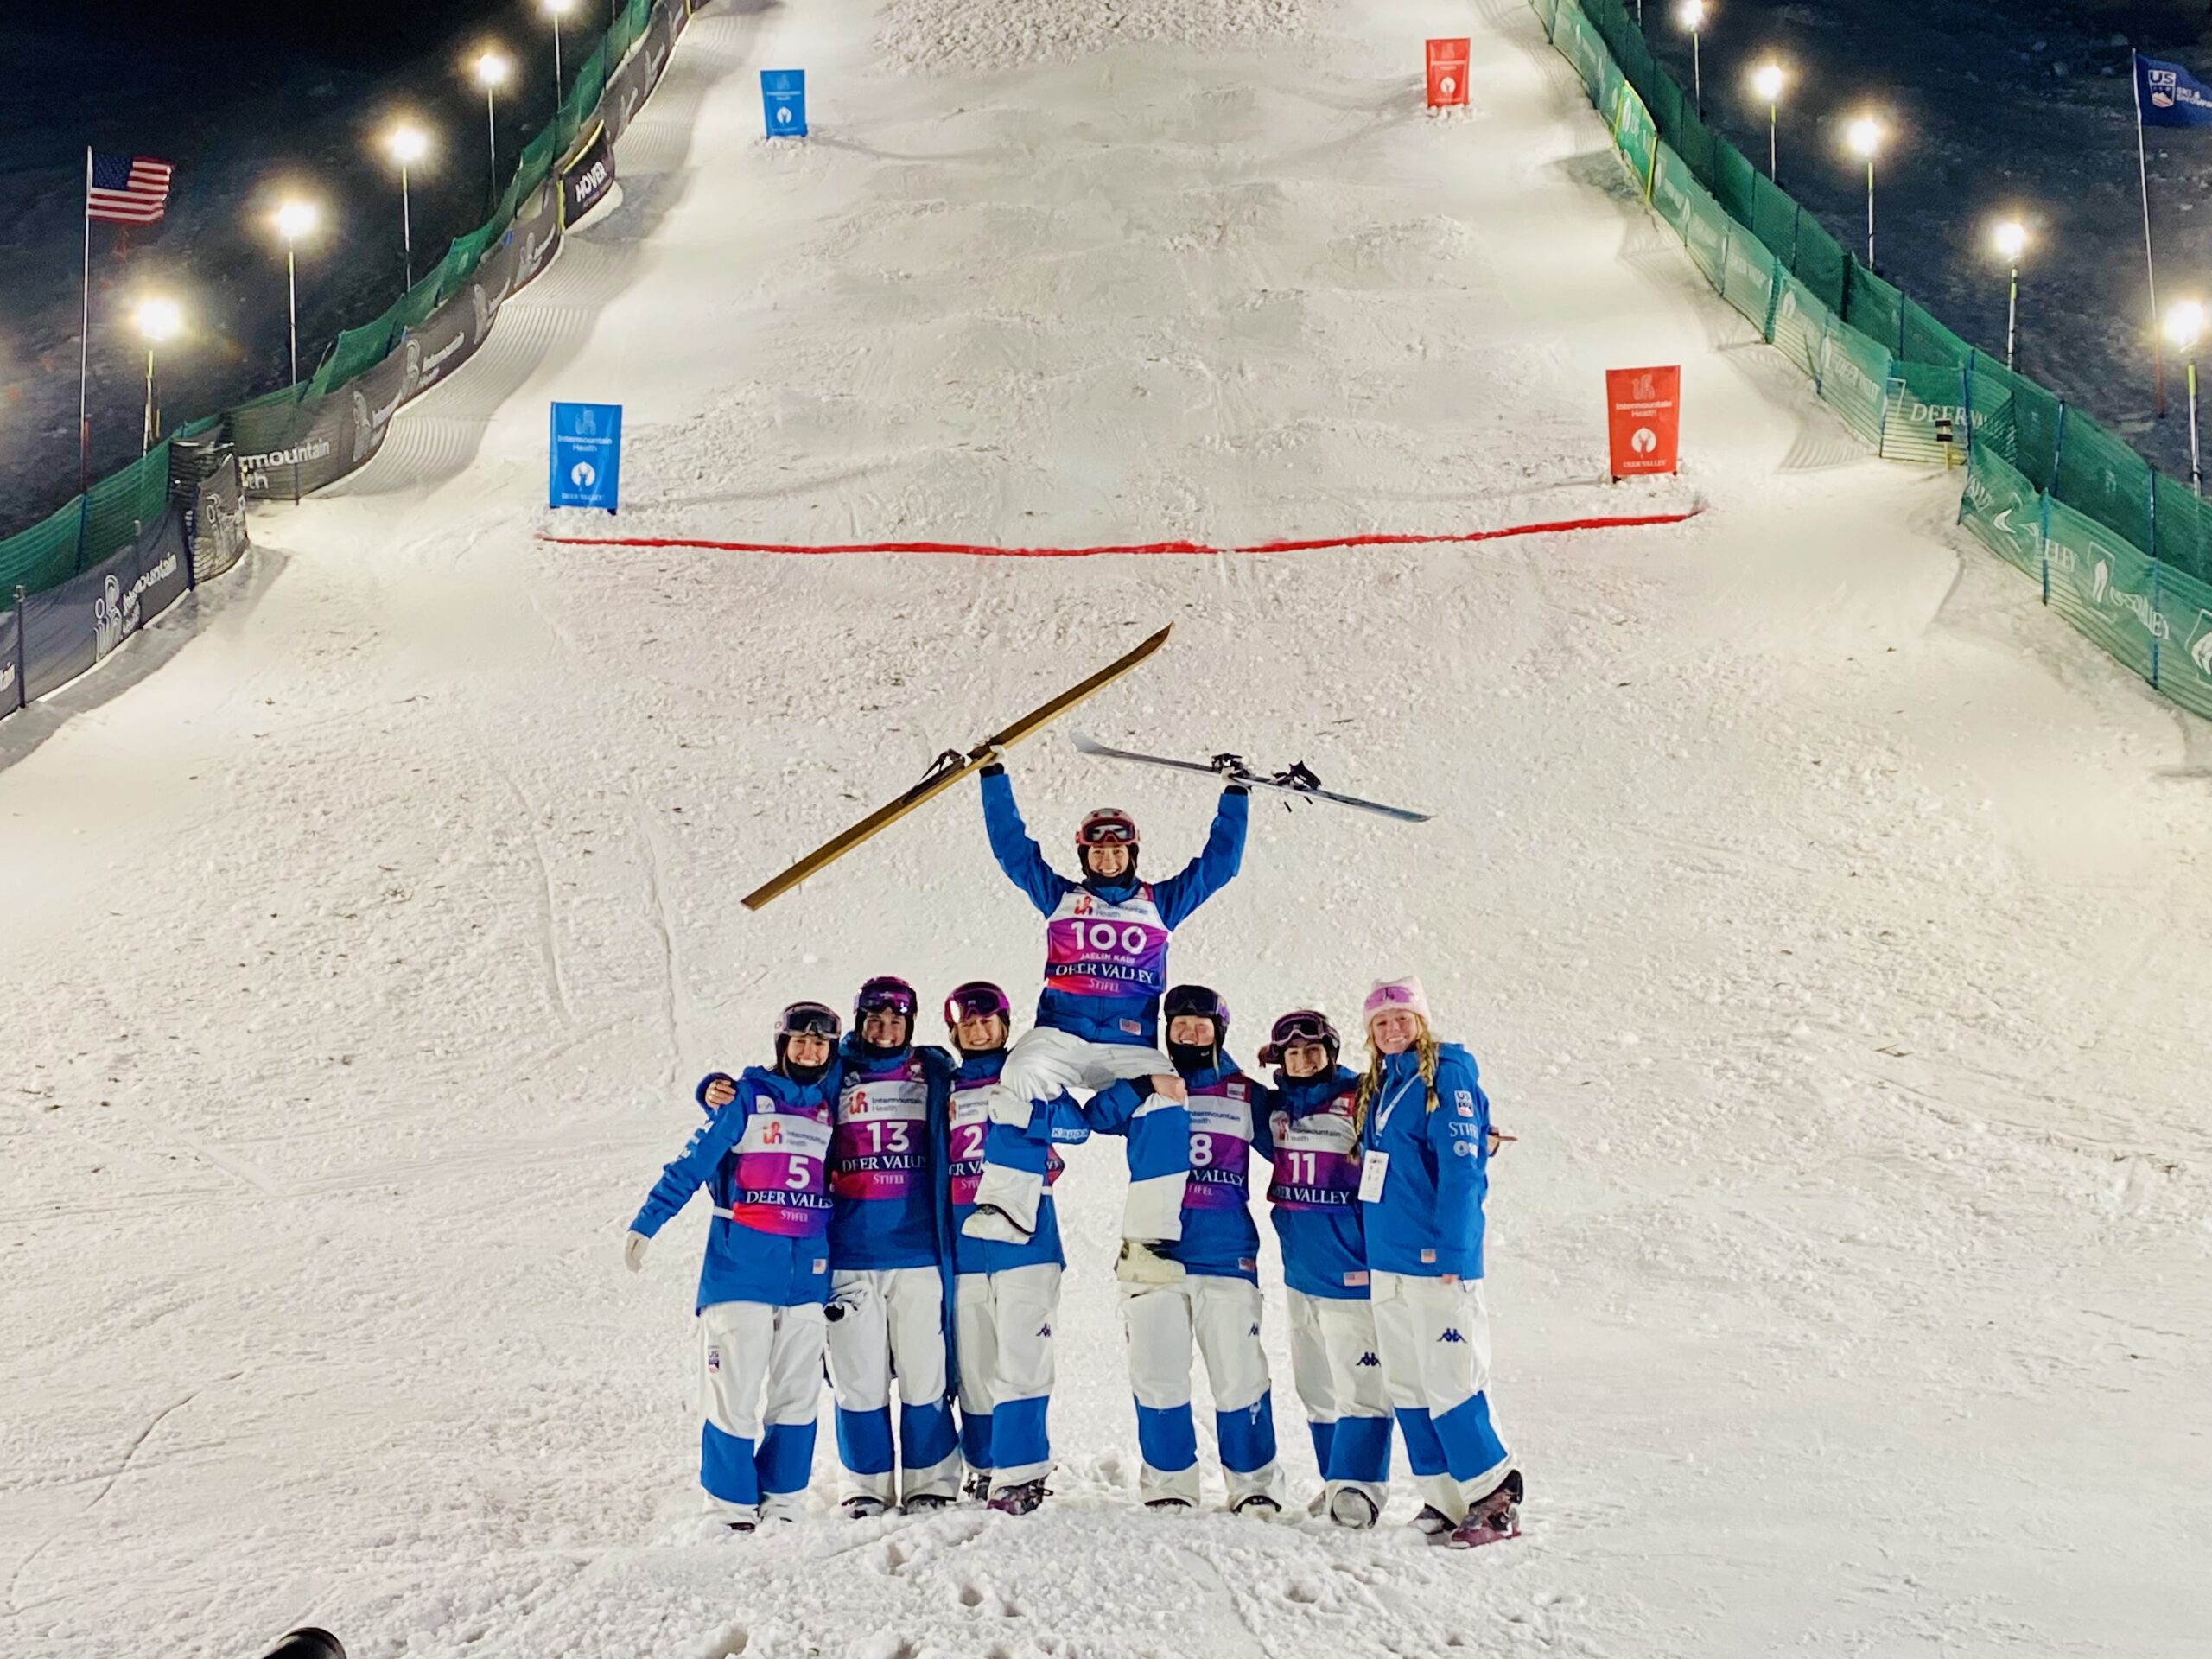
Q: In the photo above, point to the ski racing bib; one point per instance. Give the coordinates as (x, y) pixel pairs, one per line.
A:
(881, 1147)
(1095, 948)
(1221, 1146)
(777, 1184)
(968, 1122)
(1317, 1158)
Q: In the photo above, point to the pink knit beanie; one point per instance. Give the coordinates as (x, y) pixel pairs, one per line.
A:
(1393, 994)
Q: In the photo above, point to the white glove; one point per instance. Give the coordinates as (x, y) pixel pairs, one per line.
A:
(633, 1251)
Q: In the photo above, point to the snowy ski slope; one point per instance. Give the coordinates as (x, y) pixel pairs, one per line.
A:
(1831, 924)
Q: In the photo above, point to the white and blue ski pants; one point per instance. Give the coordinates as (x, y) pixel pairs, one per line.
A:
(1222, 1316)
(1042, 1063)
(1004, 1321)
(758, 1363)
(889, 1323)
(1336, 1363)
(1433, 1337)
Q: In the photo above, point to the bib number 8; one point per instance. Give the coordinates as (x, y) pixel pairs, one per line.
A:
(1201, 1151)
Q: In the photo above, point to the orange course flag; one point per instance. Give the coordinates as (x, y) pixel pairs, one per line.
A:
(1644, 410)
(1447, 73)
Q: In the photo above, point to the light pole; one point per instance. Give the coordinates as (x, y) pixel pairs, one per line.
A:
(2011, 239)
(159, 321)
(1865, 137)
(492, 68)
(1767, 80)
(295, 219)
(557, 10)
(407, 144)
(1691, 15)
(2185, 326)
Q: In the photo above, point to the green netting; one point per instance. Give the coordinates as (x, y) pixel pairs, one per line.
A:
(419, 300)
(1774, 221)
(353, 352)
(1821, 263)
(1800, 322)
(2101, 584)
(1637, 138)
(2099, 475)
(118, 507)
(1872, 306)
(1693, 142)
(2185, 644)
(41, 556)
(1747, 279)
(1989, 398)
(1580, 41)
(1735, 183)
(2003, 510)
(2038, 415)
(1926, 340)
(2182, 529)
(1853, 380)
(1547, 13)
(1926, 417)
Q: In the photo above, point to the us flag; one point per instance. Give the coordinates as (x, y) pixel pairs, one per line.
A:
(126, 189)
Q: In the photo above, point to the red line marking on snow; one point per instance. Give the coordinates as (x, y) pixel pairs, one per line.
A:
(975, 550)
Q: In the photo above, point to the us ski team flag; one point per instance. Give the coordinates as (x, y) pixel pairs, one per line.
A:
(2167, 95)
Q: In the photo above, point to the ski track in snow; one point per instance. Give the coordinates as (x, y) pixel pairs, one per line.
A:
(1830, 919)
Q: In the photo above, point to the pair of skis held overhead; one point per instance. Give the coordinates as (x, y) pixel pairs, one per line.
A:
(952, 766)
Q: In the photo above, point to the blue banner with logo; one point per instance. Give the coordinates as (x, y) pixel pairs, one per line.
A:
(587, 456)
(783, 93)
(2167, 95)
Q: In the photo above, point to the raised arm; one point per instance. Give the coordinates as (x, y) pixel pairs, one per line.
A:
(1017, 854)
(1216, 863)
(694, 1167)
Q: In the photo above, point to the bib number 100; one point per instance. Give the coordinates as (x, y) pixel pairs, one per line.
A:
(1105, 936)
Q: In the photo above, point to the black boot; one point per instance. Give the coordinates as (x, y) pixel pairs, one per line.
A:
(1492, 1520)
(1019, 1500)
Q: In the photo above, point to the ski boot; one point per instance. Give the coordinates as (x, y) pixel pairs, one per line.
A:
(740, 1526)
(1493, 1519)
(1432, 1523)
(1354, 1508)
(1169, 1505)
(1258, 1505)
(926, 1503)
(862, 1507)
(977, 1490)
(1019, 1499)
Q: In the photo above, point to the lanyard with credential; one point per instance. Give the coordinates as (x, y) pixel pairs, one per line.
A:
(1389, 1105)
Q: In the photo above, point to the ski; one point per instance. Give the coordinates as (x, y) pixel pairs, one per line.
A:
(1298, 780)
(949, 769)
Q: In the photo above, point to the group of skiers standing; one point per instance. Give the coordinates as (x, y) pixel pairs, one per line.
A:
(892, 1203)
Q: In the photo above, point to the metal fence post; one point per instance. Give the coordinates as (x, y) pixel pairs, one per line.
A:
(22, 652)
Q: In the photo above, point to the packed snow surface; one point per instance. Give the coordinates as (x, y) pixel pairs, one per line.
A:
(1832, 924)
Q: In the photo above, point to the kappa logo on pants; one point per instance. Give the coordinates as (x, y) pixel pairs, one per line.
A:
(1255, 1330)
(1451, 1334)
(1045, 1330)
(1367, 1358)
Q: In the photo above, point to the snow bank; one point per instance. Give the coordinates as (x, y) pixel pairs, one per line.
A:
(971, 35)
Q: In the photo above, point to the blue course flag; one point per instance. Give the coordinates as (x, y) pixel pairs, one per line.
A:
(2167, 95)
(783, 92)
(587, 456)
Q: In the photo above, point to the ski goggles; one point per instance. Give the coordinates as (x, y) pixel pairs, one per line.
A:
(976, 1001)
(885, 996)
(809, 1019)
(1304, 1027)
(1106, 832)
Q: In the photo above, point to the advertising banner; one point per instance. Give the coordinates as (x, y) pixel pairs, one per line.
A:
(1644, 419)
(69, 628)
(588, 177)
(587, 470)
(1447, 73)
(219, 533)
(783, 95)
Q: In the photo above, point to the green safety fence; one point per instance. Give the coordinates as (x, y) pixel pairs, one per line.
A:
(2123, 552)
(110, 514)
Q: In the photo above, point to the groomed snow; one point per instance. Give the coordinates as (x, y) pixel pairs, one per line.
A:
(1832, 922)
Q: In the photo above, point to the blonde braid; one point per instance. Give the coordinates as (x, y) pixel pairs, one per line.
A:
(1370, 1081)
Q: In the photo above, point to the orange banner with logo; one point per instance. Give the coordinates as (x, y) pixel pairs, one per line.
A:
(1644, 415)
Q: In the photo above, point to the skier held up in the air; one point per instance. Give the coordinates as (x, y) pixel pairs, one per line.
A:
(1106, 938)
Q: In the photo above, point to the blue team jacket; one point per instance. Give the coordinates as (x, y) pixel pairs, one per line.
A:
(1314, 1197)
(1058, 1123)
(886, 1186)
(1228, 1122)
(1127, 1020)
(1428, 1223)
(742, 1262)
